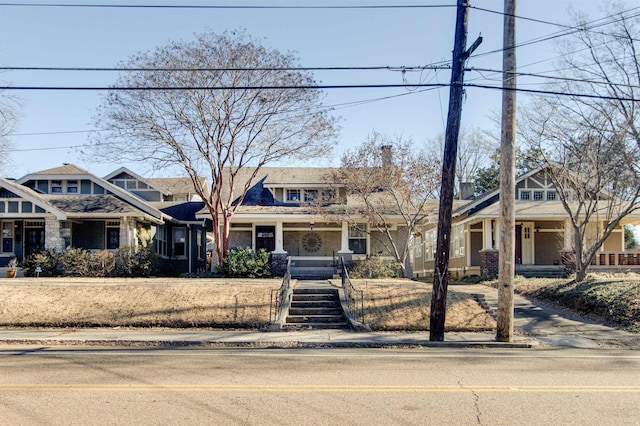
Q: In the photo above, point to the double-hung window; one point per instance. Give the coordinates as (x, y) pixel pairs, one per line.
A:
(358, 238)
(293, 195)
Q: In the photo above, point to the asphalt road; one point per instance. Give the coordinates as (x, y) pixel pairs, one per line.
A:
(141, 386)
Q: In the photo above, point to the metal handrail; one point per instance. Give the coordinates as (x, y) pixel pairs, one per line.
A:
(351, 295)
(280, 294)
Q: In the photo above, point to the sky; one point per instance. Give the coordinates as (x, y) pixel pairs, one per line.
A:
(55, 124)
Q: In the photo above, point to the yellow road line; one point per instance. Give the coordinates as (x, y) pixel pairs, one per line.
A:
(96, 387)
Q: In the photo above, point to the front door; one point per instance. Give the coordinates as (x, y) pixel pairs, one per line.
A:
(33, 240)
(518, 242)
(266, 238)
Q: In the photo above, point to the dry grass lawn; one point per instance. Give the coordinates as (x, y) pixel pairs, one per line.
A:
(405, 305)
(211, 303)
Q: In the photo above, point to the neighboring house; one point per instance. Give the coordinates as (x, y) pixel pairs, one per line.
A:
(68, 206)
(543, 234)
(282, 214)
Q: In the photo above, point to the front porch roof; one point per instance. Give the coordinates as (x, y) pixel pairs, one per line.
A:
(93, 206)
(527, 209)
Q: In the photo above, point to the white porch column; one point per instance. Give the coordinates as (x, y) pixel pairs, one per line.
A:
(279, 238)
(487, 234)
(568, 235)
(344, 246)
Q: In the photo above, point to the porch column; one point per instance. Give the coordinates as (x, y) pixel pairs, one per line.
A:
(344, 252)
(52, 239)
(344, 246)
(487, 234)
(279, 239)
(568, 235)
(128, 234)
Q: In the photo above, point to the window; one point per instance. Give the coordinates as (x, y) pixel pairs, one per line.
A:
(551, 195)
(113, 235)
(293, 195)
(457, 241)
(72, 187)
(538, 195)
(430, 245)
(310, 195)
(328, 194)
(56, 186)
(358, 238)
(199, 244)
(179, 242)
(7, 236)
(417, 247)
(161, 241)
(525, 195)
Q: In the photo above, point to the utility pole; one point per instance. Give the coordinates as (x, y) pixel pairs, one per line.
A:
(506, 262)
(456, 92)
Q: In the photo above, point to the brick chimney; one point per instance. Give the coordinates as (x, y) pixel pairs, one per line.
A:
(387, 161)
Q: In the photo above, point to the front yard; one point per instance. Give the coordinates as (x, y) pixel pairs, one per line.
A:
(611, 298)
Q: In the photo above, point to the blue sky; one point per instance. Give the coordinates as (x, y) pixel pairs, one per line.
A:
(54, 122)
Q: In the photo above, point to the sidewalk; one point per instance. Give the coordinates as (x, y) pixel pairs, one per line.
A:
(535, 326)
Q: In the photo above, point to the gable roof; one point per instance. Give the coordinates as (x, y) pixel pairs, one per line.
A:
(92, 205)
(176, 185)
(79, 173)
(486, 197)
(66, 169)
(33, 196)
(135, 175)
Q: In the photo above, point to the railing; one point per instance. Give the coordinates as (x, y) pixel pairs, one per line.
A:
(616, 259)
(351, 295)
(280, 295)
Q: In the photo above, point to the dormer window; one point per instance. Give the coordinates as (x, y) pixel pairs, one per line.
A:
(72, 187)
(56, 186)
(310, 195)
(293, 195)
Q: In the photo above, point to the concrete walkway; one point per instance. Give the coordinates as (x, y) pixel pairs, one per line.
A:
(535, 326)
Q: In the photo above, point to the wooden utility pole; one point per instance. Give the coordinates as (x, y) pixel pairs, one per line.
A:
(456, 91)
(506, 262)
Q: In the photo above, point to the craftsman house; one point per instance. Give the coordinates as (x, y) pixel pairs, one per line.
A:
(70, 207)
(543, 235)
(282, 214)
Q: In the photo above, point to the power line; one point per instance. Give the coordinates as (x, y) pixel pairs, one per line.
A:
(557, 93)
(196, 6)
(178, 88)
(588, 26)
(401, 68)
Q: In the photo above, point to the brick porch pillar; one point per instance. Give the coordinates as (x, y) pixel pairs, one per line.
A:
(489, 262)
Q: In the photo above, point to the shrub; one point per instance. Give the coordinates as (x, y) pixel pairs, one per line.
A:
(46, 260)
(77, 262)
(135, 262)
(374, 267)
(245, 262)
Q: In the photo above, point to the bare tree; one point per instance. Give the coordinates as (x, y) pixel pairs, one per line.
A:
(590, 145)
(8, 121)
(476, 150)
(222, 107)
(593, 165)
(389, 184)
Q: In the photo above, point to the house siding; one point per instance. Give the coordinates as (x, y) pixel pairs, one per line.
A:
(548, 248)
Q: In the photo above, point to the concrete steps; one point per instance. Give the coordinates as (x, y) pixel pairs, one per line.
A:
(541, 271)
(315, 306)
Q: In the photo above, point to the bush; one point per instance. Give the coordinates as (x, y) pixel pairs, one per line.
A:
(77, 262)
(245, 262)
(46, 260)
(374, 267)
(135, 262)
